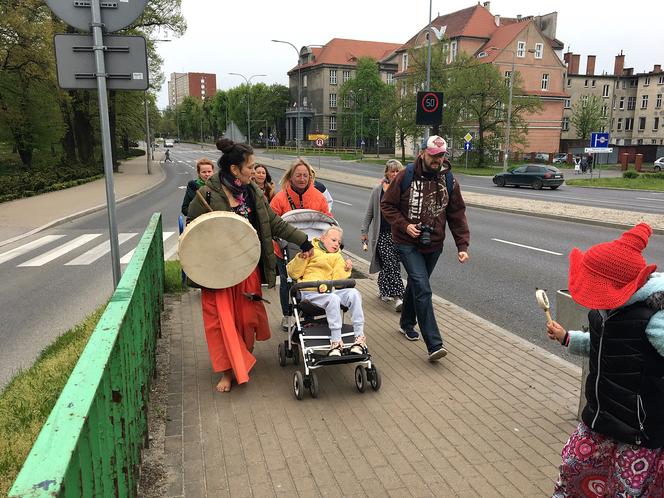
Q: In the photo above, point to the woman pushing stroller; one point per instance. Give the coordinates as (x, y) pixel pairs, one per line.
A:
(327, 263)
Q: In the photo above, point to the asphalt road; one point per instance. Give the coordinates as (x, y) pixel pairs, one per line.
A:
(52, 291)
(628, 200)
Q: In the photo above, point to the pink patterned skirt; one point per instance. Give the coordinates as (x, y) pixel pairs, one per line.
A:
(597, 466)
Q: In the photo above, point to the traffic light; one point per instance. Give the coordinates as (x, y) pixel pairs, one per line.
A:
(429, 108)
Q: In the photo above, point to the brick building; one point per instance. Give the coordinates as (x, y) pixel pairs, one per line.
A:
(181, 85)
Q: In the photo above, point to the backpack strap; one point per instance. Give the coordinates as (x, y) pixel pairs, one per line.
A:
(410, 172)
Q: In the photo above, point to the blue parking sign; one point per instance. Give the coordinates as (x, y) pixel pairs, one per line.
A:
(599, 139)
(467, 146)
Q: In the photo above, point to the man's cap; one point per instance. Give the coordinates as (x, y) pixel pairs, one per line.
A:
(436, 145)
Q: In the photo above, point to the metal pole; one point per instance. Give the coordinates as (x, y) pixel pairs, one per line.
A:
(248, 113)
(509, 117)
(428, 82)
(148, 147)
(98, 42)
(378, 140)
(299, 100)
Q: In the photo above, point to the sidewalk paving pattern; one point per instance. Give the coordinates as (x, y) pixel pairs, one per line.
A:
(488, 420)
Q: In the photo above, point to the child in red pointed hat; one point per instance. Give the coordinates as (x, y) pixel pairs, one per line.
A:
(618, 448)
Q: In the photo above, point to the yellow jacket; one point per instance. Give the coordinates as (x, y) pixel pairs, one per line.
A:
(322, 265)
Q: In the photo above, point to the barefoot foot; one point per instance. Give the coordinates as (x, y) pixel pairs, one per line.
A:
(224, 384)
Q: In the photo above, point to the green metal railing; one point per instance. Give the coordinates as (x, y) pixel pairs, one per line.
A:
(91, 443)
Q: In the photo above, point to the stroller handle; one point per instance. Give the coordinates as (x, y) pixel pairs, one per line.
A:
(346, 283)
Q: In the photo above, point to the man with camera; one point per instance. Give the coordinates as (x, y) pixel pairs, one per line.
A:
(420, 201)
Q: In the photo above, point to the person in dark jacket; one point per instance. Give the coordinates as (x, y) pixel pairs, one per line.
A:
(418, 215)
(618, 448)
(204, 169)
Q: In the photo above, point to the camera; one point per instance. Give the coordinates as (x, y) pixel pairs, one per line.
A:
(425, 234)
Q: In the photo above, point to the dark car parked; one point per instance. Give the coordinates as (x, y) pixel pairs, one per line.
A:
(533, 175)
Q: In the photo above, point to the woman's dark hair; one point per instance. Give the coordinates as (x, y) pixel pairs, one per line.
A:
(232, 153)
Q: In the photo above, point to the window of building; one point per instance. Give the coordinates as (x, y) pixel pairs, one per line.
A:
(639, 141)
(304, 101)
(565, 124)
(539, 50)
(605, 108)
(347, 101)
(346, 76)
(390, 79)
(617, 84)
(404, 62)
(629, 124)
(632, 83)
(631, 103)
(655, 124)
(545, 81)
(592, 83)
(521, 49)
(304, 81)
(622, 103)
(585, 83)
(333, 123)
(332, 142)
(569, 81)
(619, 124)
(646, 82)
(661, 80)
(644, 101)
(568, 103)
(605, 91)
(333, 76)
(642, 124)
(453, 50)
(584, 99)
(658, 102)
(333, 100)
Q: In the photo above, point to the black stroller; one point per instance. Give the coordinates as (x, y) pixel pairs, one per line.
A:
(310, 334)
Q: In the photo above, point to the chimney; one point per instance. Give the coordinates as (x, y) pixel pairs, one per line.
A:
(657, 68)
(567, 57)
(487, 6)
(573, 67)
(590, 66)
(496, 19)
(619, 64)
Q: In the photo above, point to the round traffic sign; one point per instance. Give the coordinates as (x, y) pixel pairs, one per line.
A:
(114, 19)
(430, 102)
(320, 142)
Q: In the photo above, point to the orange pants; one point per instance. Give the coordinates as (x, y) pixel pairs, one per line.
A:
(232, 323)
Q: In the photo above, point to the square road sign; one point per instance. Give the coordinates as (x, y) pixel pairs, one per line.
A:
(599, 139)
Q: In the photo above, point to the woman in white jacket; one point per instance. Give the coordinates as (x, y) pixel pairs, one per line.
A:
(384, 258)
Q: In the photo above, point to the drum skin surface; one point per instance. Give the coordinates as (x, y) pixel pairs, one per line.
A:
(219, 249)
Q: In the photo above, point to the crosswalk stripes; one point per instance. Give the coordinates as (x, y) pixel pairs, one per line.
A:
(127, 257)
(19, 251)
(98, 251)
(60, 250)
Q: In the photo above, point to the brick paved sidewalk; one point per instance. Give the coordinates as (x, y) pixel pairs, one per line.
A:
(488, 420)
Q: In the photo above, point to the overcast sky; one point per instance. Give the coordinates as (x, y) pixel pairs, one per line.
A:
(234, 36)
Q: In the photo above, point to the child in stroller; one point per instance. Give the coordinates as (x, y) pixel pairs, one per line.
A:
(327, 263)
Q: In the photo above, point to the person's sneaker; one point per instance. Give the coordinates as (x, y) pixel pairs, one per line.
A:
(386, 299)
(438, 354)
(410, 334)
(284, 323)
(398, 304)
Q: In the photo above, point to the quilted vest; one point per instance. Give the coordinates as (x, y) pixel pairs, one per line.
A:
(625, 385)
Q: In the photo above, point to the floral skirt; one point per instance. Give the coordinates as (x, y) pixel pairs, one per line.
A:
(597, 466)
(389, 278)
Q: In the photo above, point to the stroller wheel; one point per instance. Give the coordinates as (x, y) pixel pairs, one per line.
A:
(295, 348)
(313, 385)
(374, 377)
(281, 350)
(360, 378)
(298, 385)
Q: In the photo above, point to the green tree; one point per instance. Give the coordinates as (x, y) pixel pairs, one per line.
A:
(587, 116)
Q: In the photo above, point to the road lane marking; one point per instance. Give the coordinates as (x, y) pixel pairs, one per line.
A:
(98, 251)
(14, 253)
(61, 250)
(528, 247)
(342, 202)
(650, 199)
(127, 257)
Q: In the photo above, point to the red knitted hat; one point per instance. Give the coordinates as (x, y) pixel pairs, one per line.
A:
(607, 274)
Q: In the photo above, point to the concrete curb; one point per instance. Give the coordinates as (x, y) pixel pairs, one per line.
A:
(79, 214)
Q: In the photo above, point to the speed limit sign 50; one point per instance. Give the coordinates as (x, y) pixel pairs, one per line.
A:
(429, 108)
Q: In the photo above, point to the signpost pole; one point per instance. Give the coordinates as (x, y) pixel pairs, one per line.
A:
(467, 158)
(98, 48)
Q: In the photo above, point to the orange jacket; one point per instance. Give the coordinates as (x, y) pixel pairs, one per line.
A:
(310, 199)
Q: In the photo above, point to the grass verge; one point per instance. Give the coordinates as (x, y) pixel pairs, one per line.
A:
(173, 279)
(29, 398)
(640, 183)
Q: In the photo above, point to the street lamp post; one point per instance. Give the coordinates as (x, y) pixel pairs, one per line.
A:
(248, 80)
(506, 154)
(377, 120)
(299, 84)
